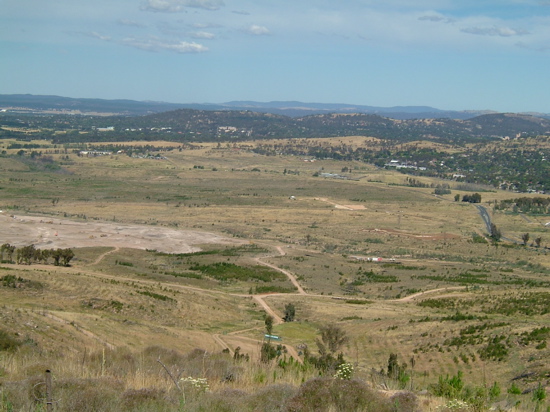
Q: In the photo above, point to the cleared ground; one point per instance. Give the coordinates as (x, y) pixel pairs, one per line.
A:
(52, 233)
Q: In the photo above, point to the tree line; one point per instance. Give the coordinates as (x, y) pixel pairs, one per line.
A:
(29, 254)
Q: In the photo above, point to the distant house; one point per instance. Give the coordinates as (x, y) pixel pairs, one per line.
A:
(93, 153)
(400, 165)
(367, 259)
(332, 176)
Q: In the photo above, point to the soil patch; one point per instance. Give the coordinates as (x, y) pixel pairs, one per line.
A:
(49, 233)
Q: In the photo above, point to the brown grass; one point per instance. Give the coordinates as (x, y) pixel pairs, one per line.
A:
(95, 304)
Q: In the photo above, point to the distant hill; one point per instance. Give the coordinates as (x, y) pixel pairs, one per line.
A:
(298, 109)
(28, 103)
(266, 125)
(245, 120)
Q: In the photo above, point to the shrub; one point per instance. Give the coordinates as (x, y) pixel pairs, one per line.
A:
(227, 400)
(157, 296)
(405, 402)
(328, 394)
(273, 398)
(448, 387)
(514, 389)
(87, 395)
(142, 398)
(7, 342)
(495, 350)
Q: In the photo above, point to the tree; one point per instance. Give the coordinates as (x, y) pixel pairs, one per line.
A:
(46, 253)
(26, 254)
(525, 238)
(495, 233)
(393, 366)
(9, 249)
(457, 197)
(333, 337)
(56, 255)
(67, 255)
(475, 198)
(268, 324)
(397, 372)
(290, 312)
(2, 249)
(538, 240)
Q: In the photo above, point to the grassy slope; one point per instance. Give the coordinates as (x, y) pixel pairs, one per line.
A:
(83, 302)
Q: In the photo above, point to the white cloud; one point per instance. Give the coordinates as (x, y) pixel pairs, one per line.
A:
(495, 31)
(436, 18)
(99, 36)
(258, 30)
(157, 45)
(92, 34)
(176, 6)
(203, 35)
(206, 25)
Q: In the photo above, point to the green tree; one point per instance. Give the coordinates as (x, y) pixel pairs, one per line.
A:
(397, 372)
(290, 312)
(538, 241)
(495, 233)
(8, 249)
(333, 337)
(56, 255)
(67, 255)
(393, 366)
(525, 238)
(25, 254)
(268, 324)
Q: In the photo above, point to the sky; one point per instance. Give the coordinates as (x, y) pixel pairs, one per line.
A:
(448, 54)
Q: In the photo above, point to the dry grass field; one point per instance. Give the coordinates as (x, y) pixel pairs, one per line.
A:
(145, 287)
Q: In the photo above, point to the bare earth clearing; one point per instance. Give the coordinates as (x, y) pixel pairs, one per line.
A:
(46, 233)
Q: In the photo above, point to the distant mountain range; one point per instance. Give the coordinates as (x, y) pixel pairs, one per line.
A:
(39, 104)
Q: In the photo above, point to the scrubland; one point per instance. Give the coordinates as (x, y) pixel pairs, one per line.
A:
(126, 326)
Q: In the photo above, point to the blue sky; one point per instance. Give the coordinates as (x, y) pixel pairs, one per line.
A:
(449, 54)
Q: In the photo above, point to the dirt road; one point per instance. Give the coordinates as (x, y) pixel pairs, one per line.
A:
(417, 295)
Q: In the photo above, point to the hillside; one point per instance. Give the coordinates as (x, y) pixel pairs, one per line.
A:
(180, 255)
(211, 125)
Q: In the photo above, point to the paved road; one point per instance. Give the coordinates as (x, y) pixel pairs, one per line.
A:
(485, 216)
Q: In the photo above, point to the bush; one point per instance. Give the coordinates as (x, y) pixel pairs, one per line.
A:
(328, 394)
(227, 400)
(405, 402)
(7, 342)
(143, 398)
(272, 398)
(448, 387)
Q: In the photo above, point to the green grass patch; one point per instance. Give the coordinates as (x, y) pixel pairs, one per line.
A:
(190, 275)
(157, 296)
(358, 301)
(225, 271)
(273, 289)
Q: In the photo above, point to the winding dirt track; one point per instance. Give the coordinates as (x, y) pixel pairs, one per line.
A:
(419, 294)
